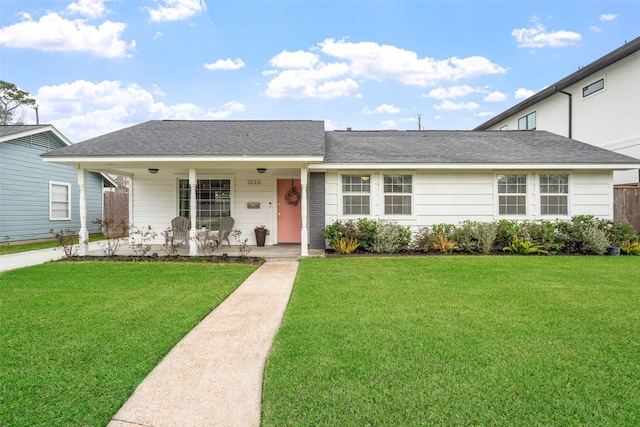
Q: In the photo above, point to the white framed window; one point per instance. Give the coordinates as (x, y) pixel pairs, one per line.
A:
(213, 198)
(512, 194)
(593, 88)
(554, 194)
(527, 122)
(398, 194)
(356, 194)
(59, 201)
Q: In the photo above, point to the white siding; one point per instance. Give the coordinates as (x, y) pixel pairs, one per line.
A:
(450, 197)
(155, 200)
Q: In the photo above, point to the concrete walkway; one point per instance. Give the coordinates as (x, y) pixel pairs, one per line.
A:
(26, 259)
(213, 377)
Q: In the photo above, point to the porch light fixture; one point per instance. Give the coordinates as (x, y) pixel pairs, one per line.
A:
(261, 170)
(153, 171)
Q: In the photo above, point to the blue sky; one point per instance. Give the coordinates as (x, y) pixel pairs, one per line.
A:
(95, 66)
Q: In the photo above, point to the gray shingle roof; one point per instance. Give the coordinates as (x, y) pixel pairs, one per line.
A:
(6, 130)
(190, 137)
(473, 147)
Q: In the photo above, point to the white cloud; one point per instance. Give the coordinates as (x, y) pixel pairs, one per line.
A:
(90, 8)
(495, 97)
(538, 37)
(383, 108)
(451, 92)
(54, 33)
(225, 64)
(83, 109)
(451, 106)
(303, 74)
(385, 62)
(176, 10)
(608, 17)
(294, 60)
(523, 93)
(595, 28)
(324, 81)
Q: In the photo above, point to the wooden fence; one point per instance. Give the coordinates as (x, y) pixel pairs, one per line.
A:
(116, 213)
(626, 204)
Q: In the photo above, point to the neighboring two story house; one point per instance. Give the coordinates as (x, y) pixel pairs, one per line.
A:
(599, 104)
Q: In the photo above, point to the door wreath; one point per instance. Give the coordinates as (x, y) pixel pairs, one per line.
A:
(293, 196)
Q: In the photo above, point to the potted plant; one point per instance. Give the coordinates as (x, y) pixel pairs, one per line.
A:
(261, 234)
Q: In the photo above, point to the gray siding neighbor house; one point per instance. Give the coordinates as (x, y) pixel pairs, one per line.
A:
(294, 178)
(35, 196)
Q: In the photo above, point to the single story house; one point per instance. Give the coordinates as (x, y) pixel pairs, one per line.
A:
(295, 178)
(36, 197)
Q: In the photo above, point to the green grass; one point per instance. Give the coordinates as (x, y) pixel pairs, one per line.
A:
(45, 244)
(458, 341)
(78, 338)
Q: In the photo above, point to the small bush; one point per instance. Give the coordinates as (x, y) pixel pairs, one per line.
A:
(391, 238)
(345, 245)
(630, 247)
(595, 240)
(524, 247)
(485, 234)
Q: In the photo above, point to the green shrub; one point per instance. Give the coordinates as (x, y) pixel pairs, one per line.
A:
(595, 240)
(630, 247)
(345, 245)
(366, 232)
(464, 236)
(506, 230)
(421, 239)
(485, 234)
(391, 237)
(524, 247)
(619, 232)
(546, 234)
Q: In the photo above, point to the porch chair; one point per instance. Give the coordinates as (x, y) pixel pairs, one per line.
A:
(226, 225)
(180, 230)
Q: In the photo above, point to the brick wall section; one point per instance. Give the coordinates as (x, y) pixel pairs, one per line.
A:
(316, 210)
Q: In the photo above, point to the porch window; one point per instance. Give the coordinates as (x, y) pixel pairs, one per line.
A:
(554, 190)
(512, 194)
(356, 191)
(59, 201)
(398, 190)
(213, 201)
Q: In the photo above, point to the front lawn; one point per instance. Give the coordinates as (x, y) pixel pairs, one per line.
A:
(78, 338)
(458, 341)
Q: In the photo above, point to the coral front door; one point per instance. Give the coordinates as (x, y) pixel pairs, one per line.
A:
(289, 211)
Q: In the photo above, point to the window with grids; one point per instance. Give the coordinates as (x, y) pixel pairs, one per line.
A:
(527, 122)
(512, 194)
(554, 190)
(59, 201)
(356, 191)
(398, 190)
(213, 201)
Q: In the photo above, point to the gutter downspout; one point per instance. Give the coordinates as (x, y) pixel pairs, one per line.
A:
(570, 108)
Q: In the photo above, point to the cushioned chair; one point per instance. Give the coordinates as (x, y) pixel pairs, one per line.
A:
(180, 230)
(226, 226)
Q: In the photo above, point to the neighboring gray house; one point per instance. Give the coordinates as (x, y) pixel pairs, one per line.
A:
(295, 178)
(35, 196)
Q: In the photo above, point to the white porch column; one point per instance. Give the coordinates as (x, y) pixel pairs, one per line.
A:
(304, 233)
(83, 234)
(193, 211)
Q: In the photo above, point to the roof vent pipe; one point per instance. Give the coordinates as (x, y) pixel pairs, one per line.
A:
(570, 108)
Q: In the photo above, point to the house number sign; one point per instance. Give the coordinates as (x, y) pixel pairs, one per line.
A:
(253, 181)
